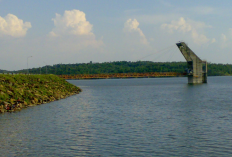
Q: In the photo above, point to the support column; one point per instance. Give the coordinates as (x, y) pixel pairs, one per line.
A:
(204, 76)
(194, 65)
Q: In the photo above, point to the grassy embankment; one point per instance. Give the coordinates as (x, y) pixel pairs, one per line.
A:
(21, 91)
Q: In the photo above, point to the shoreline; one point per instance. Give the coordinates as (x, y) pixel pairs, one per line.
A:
(21, 105)
(22, 91)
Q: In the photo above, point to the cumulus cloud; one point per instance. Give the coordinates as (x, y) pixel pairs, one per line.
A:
(194, 28)
(11, 25)
(230, 32)
(223, 37)
(224, 41)
(72, 33)
(73, 22)
(213, 40)
(131, 26)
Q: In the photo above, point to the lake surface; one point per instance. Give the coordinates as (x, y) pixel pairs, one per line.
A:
(126, 117)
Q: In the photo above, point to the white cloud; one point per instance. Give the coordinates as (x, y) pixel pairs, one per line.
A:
(11, 25)
(230, 31)
(180, 25)
(131, 26)
(73, 22)
(223, 38)
(194, 28)
(224, 41)
(199, 38)
(72, 32)
(213, 40)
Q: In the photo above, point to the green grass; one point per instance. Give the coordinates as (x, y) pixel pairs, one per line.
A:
(34, 88)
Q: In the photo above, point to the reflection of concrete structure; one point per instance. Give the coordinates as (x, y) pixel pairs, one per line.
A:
(197, 69)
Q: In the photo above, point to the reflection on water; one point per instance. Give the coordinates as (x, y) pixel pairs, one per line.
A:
(126, 117)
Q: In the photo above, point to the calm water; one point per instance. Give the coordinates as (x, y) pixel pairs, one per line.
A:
(126, 117)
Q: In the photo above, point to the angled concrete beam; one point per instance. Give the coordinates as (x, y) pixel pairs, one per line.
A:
(194, 65)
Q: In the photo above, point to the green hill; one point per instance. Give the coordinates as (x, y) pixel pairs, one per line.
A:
(125, 67)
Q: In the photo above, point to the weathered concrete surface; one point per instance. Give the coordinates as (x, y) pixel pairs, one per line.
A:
(195, 71)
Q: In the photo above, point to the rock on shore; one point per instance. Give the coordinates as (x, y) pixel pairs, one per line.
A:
(21, 91)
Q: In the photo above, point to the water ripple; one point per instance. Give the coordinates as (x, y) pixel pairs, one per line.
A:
(126, 117)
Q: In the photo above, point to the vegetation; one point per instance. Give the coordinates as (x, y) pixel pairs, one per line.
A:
(125, 67)
(3, 71)
(20, 91)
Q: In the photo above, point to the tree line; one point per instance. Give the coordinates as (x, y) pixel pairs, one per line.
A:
(125, 67)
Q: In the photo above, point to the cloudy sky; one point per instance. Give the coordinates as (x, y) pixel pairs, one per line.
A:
(79, 31)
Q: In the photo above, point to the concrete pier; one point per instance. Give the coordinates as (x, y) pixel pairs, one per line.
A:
(196, 68)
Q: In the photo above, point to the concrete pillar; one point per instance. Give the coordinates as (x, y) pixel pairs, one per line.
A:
(204, 76)
(194, 65)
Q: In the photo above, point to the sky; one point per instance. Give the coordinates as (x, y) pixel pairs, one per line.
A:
(80, 31)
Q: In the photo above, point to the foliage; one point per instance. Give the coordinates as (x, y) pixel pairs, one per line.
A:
(43, 88)
(126, 67)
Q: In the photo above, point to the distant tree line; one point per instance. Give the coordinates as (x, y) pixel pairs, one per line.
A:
(3, 71)
(125, 67)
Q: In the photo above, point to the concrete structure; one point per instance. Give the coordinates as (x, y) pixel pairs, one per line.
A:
(196, 68)
(122, 75)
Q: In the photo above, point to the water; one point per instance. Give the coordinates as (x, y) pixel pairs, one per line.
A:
(126, 117)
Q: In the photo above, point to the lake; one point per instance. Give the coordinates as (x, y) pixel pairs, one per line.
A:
(126, 117)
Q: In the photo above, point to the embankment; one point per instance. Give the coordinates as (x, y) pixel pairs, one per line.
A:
(21, 91)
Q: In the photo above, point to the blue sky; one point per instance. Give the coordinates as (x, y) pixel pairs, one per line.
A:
(79, 31)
